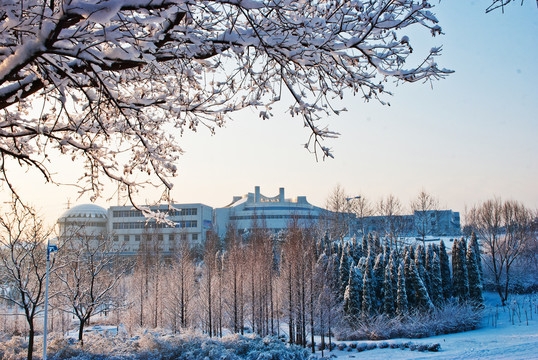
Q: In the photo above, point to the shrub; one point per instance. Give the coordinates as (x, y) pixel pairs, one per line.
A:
(451, 317)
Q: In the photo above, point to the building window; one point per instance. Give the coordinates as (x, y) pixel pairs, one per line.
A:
(137, 237)
(194, 237)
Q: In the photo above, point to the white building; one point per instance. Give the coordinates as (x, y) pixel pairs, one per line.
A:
(128, 227)
(274, 213)
(191, 223)
(86, 219)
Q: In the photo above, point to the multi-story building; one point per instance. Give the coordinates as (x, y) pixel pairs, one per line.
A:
(185, 223)
(127, 227)
(429, 223)
(273, 213)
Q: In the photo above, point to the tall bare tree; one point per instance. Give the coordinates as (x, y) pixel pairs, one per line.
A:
(391, 209)
(424, 207)
(340, 217)
(362, 207)
(505, 230)
(23, 253)
(90, 270)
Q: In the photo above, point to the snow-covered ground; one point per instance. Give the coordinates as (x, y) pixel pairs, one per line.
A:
(505, 341)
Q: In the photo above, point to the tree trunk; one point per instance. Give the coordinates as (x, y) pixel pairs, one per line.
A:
(31, 334)
(81, 332)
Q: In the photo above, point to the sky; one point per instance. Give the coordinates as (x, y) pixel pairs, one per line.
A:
(464, 139)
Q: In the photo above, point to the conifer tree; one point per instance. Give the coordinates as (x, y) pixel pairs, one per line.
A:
(388, 293)
(377, 282)
(352, 296)
(393, 267)
(428, 265)
(343, 272)
(420, 263)
(401, 295)
(367, 297)
(436, 285)
(365, 238)
(377, 244)
(446, 279)
(422, 299)
(409, 289)
(475, 282)
(460, 280)
(356, 251)
(474, 240)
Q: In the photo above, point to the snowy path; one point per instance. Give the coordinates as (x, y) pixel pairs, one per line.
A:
(507, 342)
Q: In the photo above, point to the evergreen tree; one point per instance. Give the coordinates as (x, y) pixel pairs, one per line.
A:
(475, 282)
(393, 267)
(377, 282)
(422, 299)
(352, 296)
(365, 238)
(356, 251)
(460, 280)
(409, 289)
(377, 244)
(367, 296)
(446, 279)
(474, 240)
(420, 263)
(343, 272)
(428, 268)
(388, 293)
(401, 294)
(436, 285)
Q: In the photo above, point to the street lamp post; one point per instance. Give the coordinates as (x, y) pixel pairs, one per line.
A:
(50, 249)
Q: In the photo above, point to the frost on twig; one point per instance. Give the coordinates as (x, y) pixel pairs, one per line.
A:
(115, 83)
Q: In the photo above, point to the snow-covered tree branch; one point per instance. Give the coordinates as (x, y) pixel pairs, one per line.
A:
(117, 82)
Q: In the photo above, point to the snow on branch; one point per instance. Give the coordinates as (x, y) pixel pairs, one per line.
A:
(116, 82)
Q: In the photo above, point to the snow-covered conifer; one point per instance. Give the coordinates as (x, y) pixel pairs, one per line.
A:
(460, 280)
(420, 263)
(422, 299)
(365, 240)
(436, 286)
(377, 244)
(393, 267)
(367, 306)
(474, 240)
(377, 282)
(353, 293)
(446, 278)
(409, 289)
(475, 282)
(343, 271)
(388, 293)
(401, 299)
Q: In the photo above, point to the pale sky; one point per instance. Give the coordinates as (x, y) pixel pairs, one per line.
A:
(472, 136)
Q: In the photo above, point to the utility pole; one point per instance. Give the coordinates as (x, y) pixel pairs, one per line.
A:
(50, 249)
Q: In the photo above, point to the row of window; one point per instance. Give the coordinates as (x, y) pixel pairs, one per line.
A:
(138, 213)
(152, 225)
(159, 237)
(264, 217)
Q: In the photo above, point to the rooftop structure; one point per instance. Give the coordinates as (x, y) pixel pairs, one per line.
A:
(271, 212)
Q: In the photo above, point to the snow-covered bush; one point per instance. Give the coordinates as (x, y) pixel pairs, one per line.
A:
(450, 318)
(181, 347)
(13, 348)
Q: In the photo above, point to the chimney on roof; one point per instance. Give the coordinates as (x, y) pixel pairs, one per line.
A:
(281, 195)
(256, 194)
